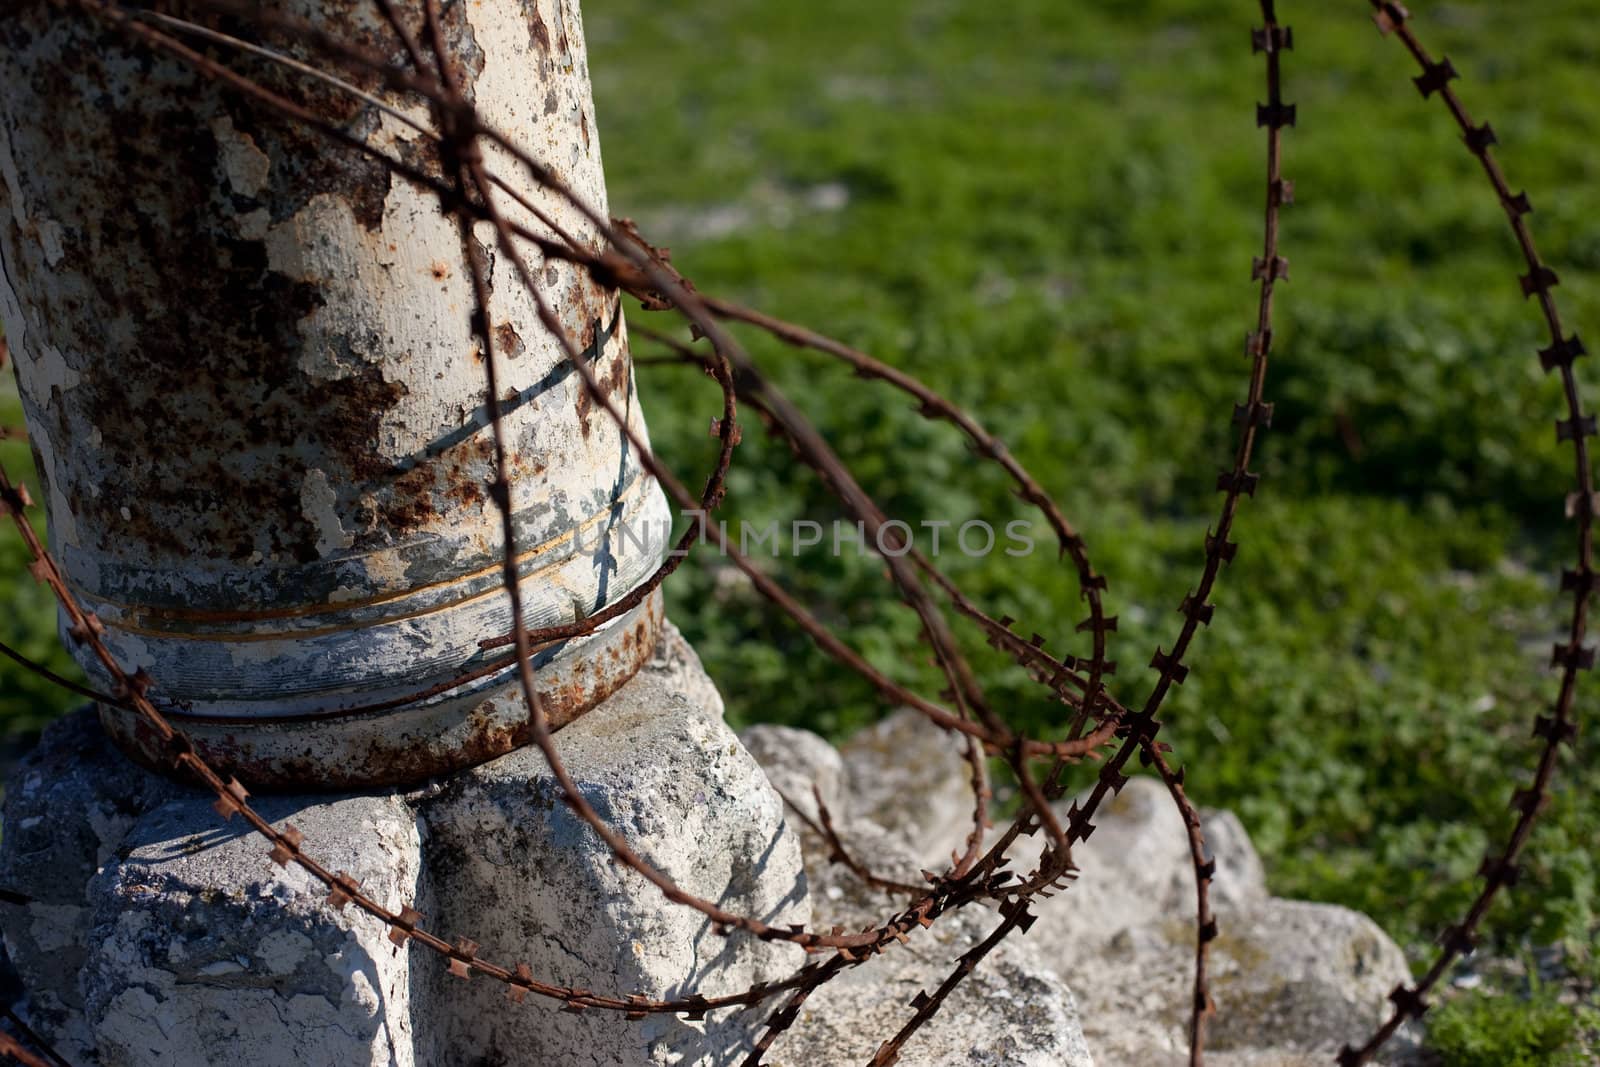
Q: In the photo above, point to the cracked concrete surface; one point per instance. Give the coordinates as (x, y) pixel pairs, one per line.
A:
(160, 936)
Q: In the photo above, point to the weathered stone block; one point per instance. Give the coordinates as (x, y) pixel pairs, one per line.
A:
(1290, 979)
(912, 779)
(68, 806)
(203, 951)
(527, 876)
(1010, 1012)
(156, 934)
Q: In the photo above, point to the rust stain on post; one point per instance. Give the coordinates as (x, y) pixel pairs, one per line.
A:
(247, 370)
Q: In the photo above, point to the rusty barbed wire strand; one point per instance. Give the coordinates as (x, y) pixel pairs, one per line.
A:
(1254, 416)
(32, 1036)
(405, 925)
(784, 1017)
(1205, 869)
(1015, 916)
(10, 1046)
(932, 405)
(823, 827)
(1499, 869)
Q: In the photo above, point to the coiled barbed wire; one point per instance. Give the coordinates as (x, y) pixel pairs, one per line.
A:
(469, 191)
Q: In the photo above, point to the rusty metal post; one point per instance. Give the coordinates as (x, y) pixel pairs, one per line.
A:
(255, 402)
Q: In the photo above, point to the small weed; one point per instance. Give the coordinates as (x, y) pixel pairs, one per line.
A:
(1487, 1029)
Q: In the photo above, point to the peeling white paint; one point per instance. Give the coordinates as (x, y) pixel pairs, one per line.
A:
(63, 521)
(129, 648)
(50, 234)
(41, 376)
(244, 165)
(318, 503)
(8, 173)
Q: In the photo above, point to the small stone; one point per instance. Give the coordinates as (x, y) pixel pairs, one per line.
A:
(1302, 976)
(1292, 980)
(912, 779)
(795, 761)
(1241, 880)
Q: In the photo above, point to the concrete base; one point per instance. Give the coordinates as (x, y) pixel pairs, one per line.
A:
(157, 935)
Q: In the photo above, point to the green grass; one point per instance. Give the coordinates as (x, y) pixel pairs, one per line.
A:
(27, 701)
(1051, 212)
(1534, 1029)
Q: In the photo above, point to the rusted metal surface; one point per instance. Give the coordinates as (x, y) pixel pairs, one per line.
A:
(420, 739)
(252, 390)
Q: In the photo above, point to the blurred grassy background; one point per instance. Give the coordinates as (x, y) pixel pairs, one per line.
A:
(1048, 211)
(27, 702)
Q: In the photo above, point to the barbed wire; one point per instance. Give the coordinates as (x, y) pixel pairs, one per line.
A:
(469, 191)
(1499, 868)
(10, 1046)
